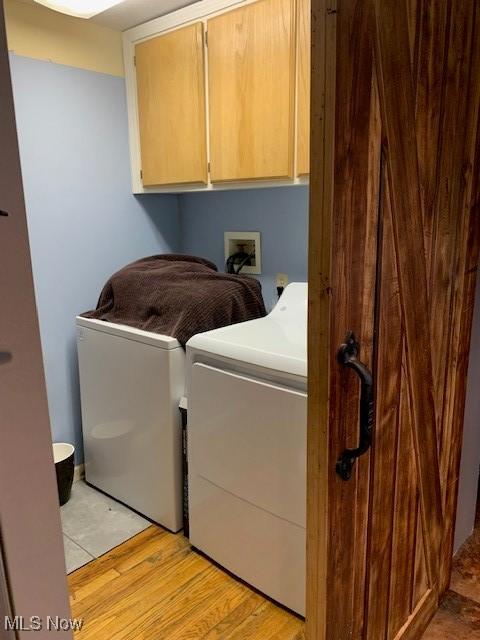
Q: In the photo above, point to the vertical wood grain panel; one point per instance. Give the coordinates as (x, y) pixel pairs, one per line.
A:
(429, 75)
(458, 127)
(447, 222)
(363, 490)
(303, 87)
(353, 275)
(413, 16)
(404, 535)
(465, 271)
(383, 476)
(171, 107)
(319, 303)
(251, 78)
(397, 100)
(420, 581)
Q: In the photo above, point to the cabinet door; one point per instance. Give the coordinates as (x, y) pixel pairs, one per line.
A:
(171, 107)
(251, 68)
(303, 88)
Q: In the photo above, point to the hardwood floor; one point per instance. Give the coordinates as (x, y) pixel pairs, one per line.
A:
(154, 586)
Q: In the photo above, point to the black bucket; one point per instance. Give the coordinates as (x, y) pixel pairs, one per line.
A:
(64, 467)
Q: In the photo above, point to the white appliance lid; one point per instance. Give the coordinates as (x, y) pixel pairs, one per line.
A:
(131, 333)
(278, 341)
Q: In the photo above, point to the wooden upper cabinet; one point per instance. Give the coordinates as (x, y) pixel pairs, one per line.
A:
(171, 107)
(251, 78)
(303, 88)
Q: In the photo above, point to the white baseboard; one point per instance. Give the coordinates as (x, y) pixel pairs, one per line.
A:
(79, 472)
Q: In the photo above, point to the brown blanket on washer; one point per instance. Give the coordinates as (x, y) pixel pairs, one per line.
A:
(178, 296)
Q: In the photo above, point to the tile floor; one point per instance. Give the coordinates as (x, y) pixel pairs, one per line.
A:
(459, 615)
(93, 524)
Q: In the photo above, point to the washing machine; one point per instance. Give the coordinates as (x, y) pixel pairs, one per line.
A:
(247, 444)
(131, 382)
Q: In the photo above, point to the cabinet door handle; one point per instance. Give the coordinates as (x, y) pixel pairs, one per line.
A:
(348, 356)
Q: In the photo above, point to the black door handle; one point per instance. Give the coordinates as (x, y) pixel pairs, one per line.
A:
(347, 355)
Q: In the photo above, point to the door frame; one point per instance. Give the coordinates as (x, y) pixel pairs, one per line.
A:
(30, 531)
(322, 142)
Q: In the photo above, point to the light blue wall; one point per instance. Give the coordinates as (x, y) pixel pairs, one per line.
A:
(280, 214)
(83, 221)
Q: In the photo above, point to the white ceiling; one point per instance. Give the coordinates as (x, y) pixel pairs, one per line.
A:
(130, 13)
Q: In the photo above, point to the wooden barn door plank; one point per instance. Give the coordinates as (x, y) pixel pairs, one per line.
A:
(322, 124)
(397, 104)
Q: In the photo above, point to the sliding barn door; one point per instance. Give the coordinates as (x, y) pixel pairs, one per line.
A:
(394, 238)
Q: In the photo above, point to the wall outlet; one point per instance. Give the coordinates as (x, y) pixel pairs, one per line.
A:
(281, 280)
